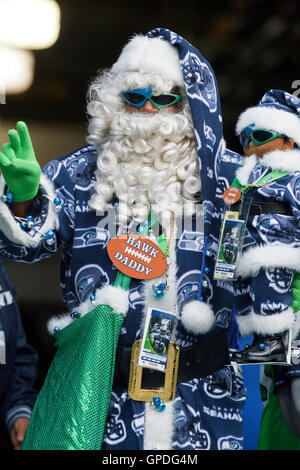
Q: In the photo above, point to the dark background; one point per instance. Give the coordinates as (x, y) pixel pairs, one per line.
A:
(252, 45)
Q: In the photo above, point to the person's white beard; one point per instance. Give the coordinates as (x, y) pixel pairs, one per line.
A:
(148, 158)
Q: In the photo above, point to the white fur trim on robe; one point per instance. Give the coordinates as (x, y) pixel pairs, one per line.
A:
(11, 227)
(266, 324)
(159, 427)
(267, 256)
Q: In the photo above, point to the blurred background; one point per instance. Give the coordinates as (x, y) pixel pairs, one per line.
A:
(50, 50)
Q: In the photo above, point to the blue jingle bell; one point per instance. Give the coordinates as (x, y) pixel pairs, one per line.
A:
(49, 237)
(159, 290)
(75, 315)
(158, 294)
(158, 403)
(92, 297)
(8, 197)
(29, 221)
(141, 226)
(56, 329)
(58, 204)
(262, 346)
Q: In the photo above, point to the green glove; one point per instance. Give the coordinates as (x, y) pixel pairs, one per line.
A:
(296, 292)
(19, 165)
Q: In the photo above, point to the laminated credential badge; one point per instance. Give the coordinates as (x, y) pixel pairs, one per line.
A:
(230, 244)
(156, 339)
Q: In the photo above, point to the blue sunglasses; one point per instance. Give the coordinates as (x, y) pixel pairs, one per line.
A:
(138, 98)
(258, 136)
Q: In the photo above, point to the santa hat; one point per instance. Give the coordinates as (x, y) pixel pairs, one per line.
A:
(277, 111)
(150, 55)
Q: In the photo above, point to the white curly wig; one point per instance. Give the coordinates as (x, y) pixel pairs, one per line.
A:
(143, 158)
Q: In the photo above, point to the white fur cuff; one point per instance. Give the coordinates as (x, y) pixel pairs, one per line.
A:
(11, 228)
(197, 317)
(267, 256)
(266, 324)
(114, 297)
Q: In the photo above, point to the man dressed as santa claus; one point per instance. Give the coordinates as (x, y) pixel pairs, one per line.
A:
(155, 146)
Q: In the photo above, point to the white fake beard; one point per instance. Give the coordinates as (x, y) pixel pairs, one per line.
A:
(148, 158)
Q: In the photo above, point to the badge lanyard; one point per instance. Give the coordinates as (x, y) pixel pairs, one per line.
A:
(234, 224)
(138, 257)
(234, 192)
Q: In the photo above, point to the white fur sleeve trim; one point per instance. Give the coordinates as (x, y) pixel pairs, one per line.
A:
(11, 228)
(114, 297)
(266, 324)
(267, 256)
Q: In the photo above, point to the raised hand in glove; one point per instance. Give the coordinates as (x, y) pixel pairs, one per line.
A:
(19, 165)
(296, 292)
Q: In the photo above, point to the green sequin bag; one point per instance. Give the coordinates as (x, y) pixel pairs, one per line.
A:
(71, 408)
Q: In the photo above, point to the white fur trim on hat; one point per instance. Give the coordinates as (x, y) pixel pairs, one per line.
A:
(197, 317)
(114, 297)
(267, 256)
(150, 55)
(265, 324)
(269, 117)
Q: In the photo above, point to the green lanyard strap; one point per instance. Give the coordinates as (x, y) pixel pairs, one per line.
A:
(264, 181)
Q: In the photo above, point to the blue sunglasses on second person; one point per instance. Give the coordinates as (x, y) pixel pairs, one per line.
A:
(258, 136)
(138, 98)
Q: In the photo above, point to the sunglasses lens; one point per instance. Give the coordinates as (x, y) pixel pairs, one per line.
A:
(164, 100)
(134, 98)
(244, 138)
(262, 135)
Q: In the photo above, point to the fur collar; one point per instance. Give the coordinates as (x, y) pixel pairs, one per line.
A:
(244, 171)
(283, 161)
(276, 160)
